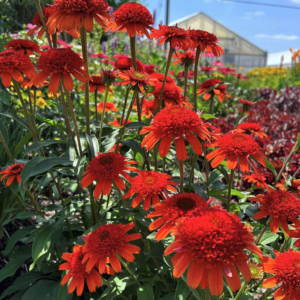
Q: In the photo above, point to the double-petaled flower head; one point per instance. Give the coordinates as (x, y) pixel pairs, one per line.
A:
(132, 18)
(251, 128)
(258, 179)
(184, 59)
(286, 274)
(109, 107)
(75, 14)
(24, 46)
(136, 80)
(125, 63)
(12, 172)
(160, 77)
(172, 209)
(149, 185)
(206, 41)
(106, 169)
(176, 124)
(13, 64)
(58, 64)
(211, 246)
(236, 147)
(77, 274)
(283, 206)
(212, 87)
(109, 76)
(102, 245)
(178, 37)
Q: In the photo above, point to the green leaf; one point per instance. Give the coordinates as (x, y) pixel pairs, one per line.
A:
(268, 238)
(182, 290)
(133, 144)
(16, 118)
(43, 289)
(271, 167)
(39, 145)
(207, 116)
(168, 297)
(93, 145)
(17, 236)
(29, 167)
(145, 293)
(41, 244)
(21, 216)
(63, 291)
(135, 125)
(22, 142)
(49, 122)
(199, 190)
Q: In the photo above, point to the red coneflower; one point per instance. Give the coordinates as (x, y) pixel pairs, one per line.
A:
(206, 41)
(24, 46)
(209, 88)
(184, 59)
(77, 273)
(108, 107)
(296, 235)
(207, 70)
(282, 206)
(96, 83)
(116, 123)
(212, 245)
(258, 179)
(293, 188)
(74, 14)
(172, 209)
(149, 69)
(236, 146)
(226, 70)
(286, 270)
(136, 79)
(125, 63)
(160, 78)
(26, 84)
(12, 172)
(106, 168)
(109, 76)
(105, 242)
(246, 104)
(132, 18)
(13, 64)
(178, 37)
(100, 55)
(149, 185)
(58, 63)
(147, 109)
(172, 123)
(256, 271)
(251, 128)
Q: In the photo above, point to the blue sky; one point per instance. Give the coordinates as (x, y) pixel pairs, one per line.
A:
(272, 29)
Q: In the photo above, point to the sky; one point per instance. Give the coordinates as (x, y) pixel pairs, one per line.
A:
(272, 29)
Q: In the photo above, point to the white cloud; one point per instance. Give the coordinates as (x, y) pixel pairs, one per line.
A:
(249, 15)
(295, 1)
(277, 37)
(259, 13)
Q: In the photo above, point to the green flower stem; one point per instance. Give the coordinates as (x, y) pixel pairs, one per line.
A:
(195, 76)
(207, 294)
(54, 39)
(165, 77)
(125, 104)
(112, 287)
(6, 148)
(133, 53)
(180, 163)
(263, 231)
(211, 101)
(103, 112)
(192, 171)
(229, 189)
(206, 166)
(96, 104)
(284, 244)
(241, 290)
(186, 67)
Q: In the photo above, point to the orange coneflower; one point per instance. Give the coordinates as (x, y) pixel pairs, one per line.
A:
(12, 172)
(286, 270)
(13, 64)
(258, 179)
(251, 128)
(172, 209)
(160, 77)
(178, 37)
(74, 14)
(26, 84)
(236, 146)
(60, 63)
(133, 18)
(149, 185)
(147, 108)
(296, 235)
(78, 274)
(206, 41)
(96, 83)
(125, 63)
(209, 88)
(136, 79)
(106, 168)
(105, 242)
(184, 59)
(24, 46)
(171, 124)
(282, 206)
(293, 188)
(212, 246)
(108, 107)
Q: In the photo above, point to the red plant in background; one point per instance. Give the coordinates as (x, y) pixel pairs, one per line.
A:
(160, 78)
(226, 70)
(12, 172)
(282, 206)
(24, 46)
(132, 18)
(13, 64)
(116, 123)
(212, 245)
(100, 55)
(106, 169)
(150, 69)
(149, 185)
(210, 89)
(251, 128)
(58, 64)
(109, 107)
(178, 37)
(186, 58)
(236, 146)
(105, 242)
(75, 14)
(125, 63)
(172, 209)
(109, 76)
(96, 83)
(285, 268)
(169, 125)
